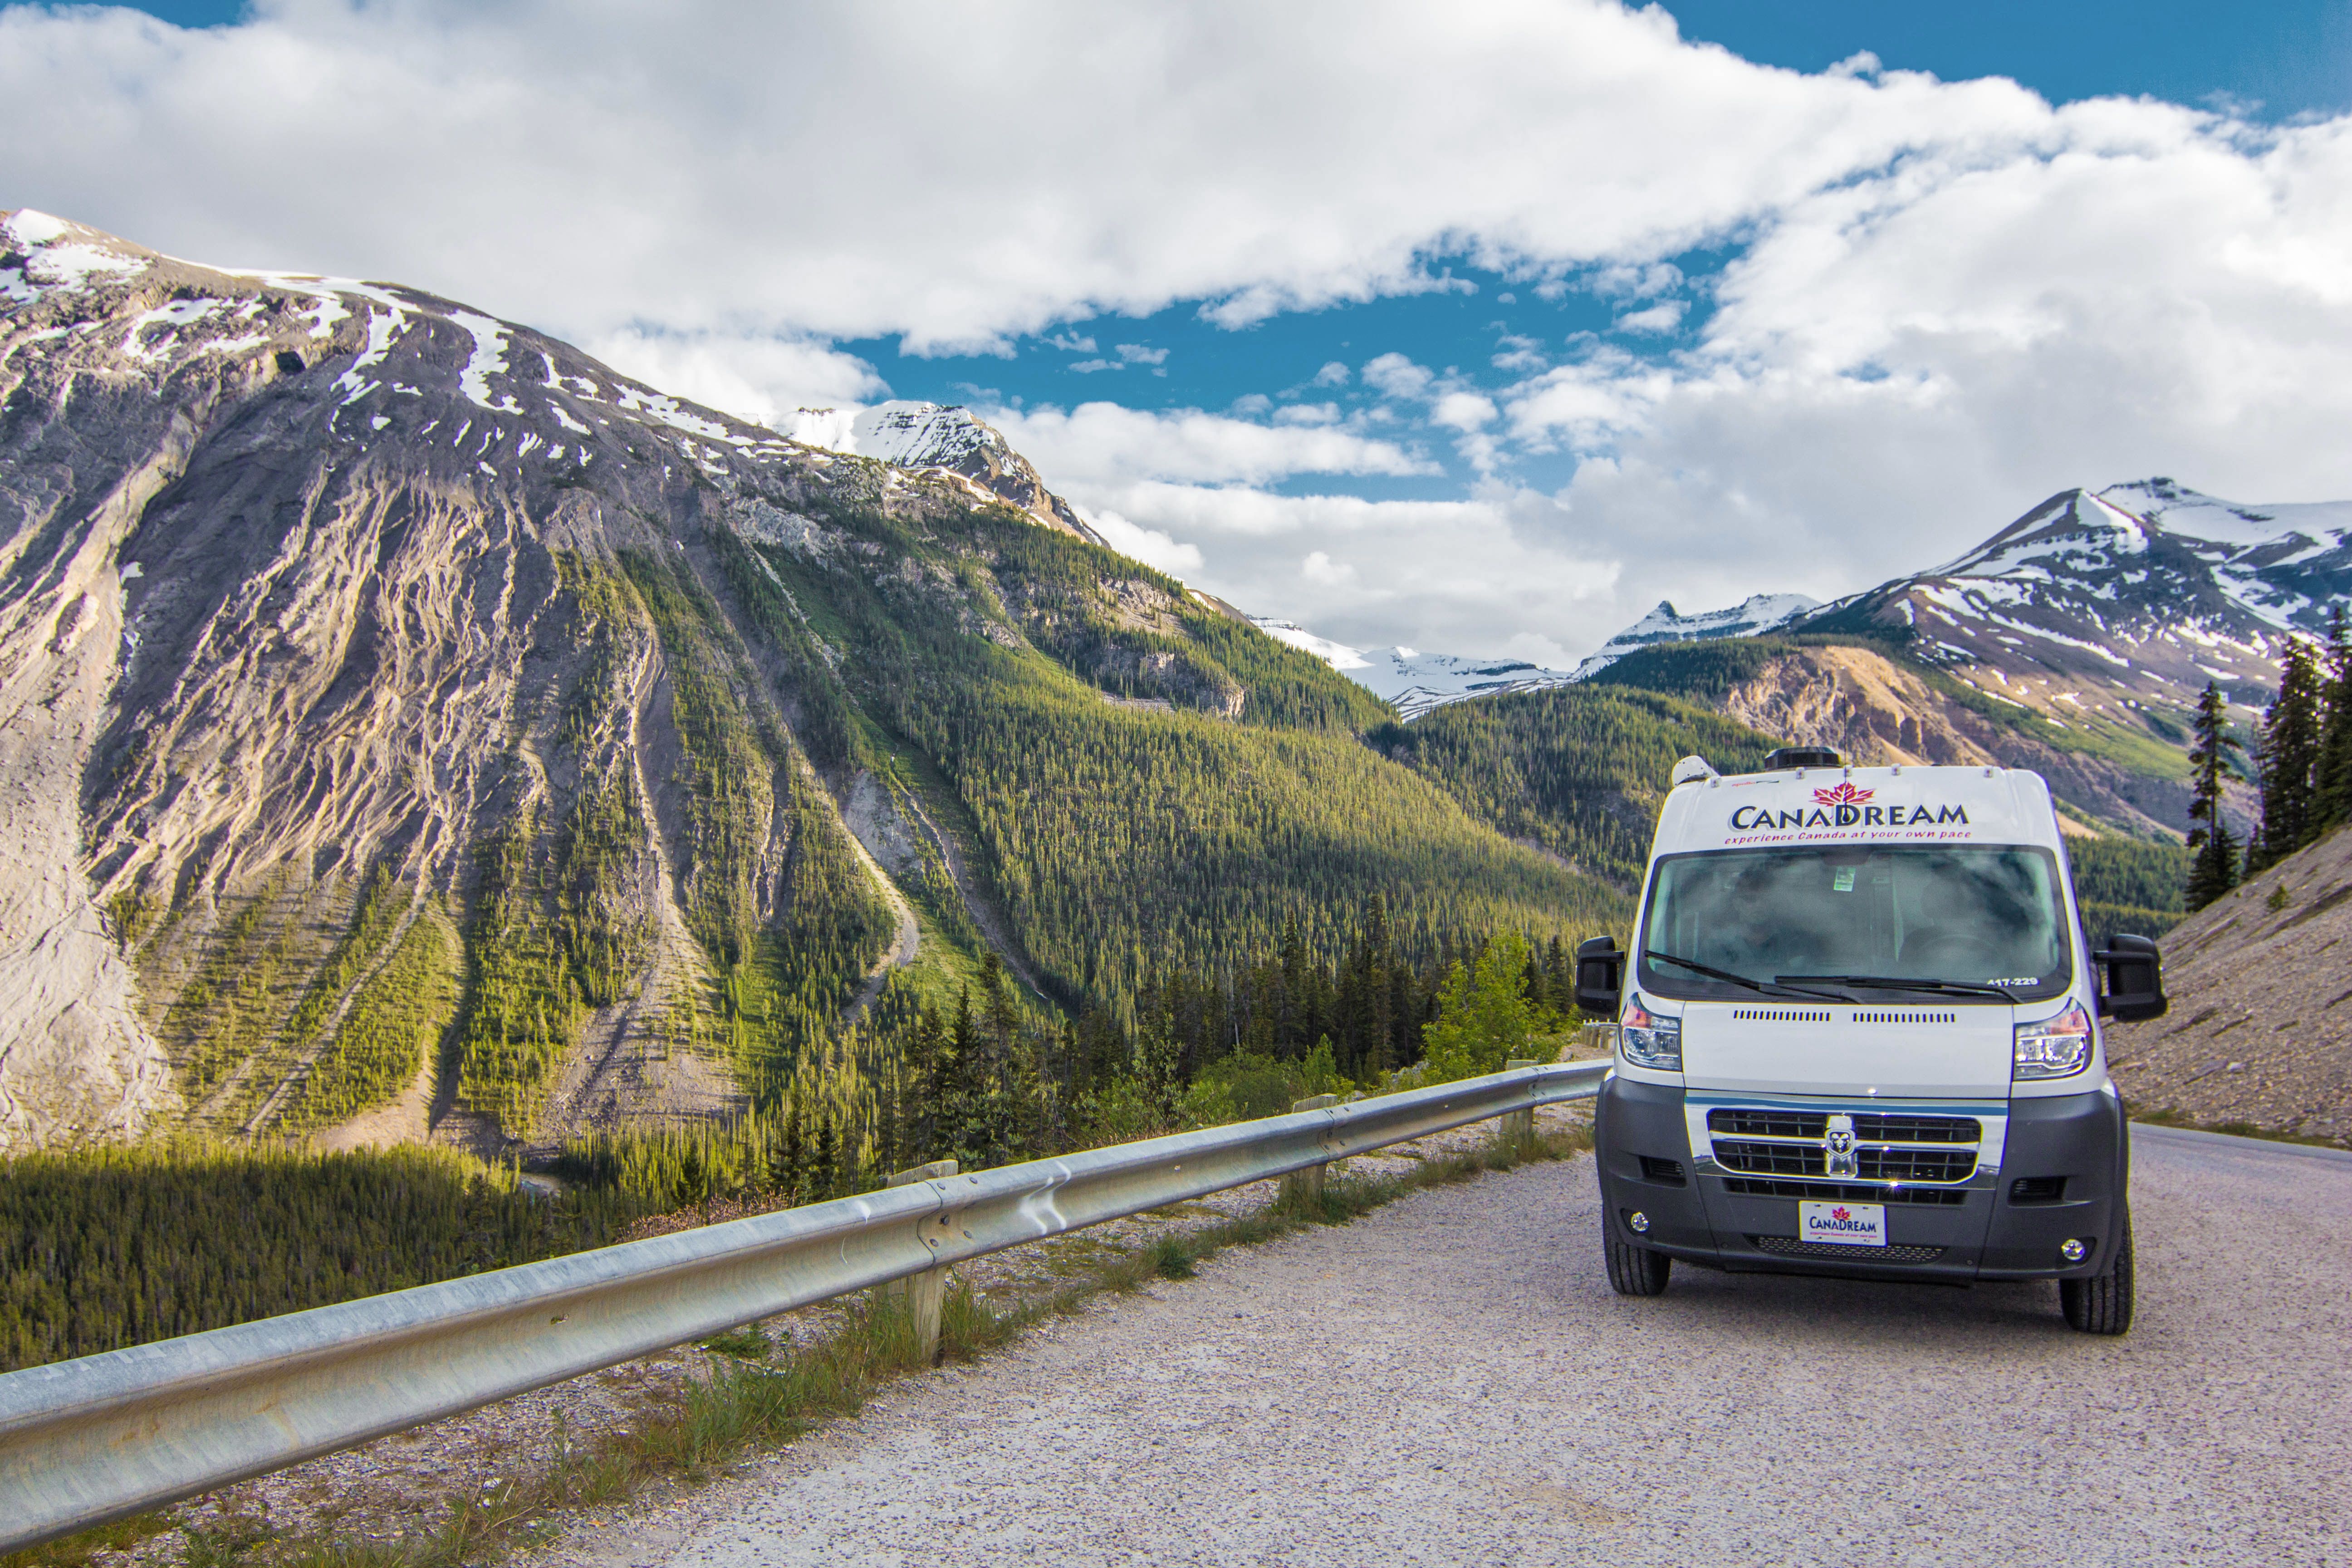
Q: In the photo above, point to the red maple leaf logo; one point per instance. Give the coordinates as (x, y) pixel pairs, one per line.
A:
(1843, 795)
(1839, 1213)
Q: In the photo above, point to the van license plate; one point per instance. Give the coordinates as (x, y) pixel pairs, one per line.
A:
(1842, 1225)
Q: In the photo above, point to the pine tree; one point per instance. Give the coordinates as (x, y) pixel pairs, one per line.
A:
(2332, 805)
(2214, 871)
(2291, 729)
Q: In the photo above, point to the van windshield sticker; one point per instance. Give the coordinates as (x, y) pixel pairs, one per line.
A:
(1845, 880)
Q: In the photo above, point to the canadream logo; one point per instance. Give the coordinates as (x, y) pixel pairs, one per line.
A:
(1843, 805)
(1839, 1218)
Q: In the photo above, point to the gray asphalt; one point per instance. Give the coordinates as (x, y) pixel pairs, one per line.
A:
(1450, 1381)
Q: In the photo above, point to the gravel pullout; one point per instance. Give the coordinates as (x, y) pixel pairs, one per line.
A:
(1449, 1381)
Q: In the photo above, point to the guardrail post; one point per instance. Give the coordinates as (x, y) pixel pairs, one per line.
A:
(1304, 1189)
(1515, 1130)
(926, 1292)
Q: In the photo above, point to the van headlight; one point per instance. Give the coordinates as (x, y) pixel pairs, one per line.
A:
(1648, 1040)
(2056, 1048)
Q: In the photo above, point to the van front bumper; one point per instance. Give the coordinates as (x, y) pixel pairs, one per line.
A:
(2060, 1175)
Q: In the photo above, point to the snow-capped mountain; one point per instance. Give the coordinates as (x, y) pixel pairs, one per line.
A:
(944, 439)
(2119, 601)
(1752, 617)
(1412, 681)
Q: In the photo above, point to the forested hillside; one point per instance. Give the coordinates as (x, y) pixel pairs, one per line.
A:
(1579, 771)
(475, 744)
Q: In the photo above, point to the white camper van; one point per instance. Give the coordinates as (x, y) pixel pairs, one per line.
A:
(1860, 1036)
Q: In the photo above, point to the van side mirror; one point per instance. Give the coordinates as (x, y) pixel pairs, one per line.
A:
(1600, 977)
(2134, 987)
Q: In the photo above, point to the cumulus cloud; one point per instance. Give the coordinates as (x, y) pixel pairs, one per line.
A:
(1944, 300)
(1393, 375)
(755, 378)
(1097, 443)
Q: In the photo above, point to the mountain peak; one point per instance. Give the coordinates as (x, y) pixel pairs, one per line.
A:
(947, 439)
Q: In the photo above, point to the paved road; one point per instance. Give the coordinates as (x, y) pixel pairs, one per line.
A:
(1450, 1382)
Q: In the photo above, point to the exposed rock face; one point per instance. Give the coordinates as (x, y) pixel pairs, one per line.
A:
(1876, 712)
(2261, 1026)
(406, 722)
(2099, 608)
(930, 437)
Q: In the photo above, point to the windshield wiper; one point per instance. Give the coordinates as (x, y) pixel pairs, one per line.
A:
(1897, 983)
(1758, 986)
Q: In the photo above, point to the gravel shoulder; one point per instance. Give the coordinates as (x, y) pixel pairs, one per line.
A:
(1449, 1381)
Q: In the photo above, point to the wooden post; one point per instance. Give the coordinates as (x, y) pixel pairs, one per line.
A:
(1304, 1188)
(1515, 1130)
(926, 1293)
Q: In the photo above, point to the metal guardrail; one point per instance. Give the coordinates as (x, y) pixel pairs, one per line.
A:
(85, 1442)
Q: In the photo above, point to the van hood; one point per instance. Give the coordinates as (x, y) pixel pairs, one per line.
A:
(1900, 1053)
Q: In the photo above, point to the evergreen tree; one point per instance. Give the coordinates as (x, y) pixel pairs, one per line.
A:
(2291, 735)
(1484, 1016)
(2332, 805)
(2215, 870)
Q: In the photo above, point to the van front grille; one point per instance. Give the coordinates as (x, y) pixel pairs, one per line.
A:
(1887, 1145)
(1869, 1126)
(1790, 1247)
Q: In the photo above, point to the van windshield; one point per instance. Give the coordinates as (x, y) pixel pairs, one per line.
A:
(1966, 914)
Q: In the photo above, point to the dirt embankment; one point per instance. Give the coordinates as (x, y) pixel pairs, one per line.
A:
(2261, 1026)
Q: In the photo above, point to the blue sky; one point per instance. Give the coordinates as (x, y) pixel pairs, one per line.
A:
(1480, 329)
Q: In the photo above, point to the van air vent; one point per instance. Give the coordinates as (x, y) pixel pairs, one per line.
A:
(1906, 1018)
(1781, 1014)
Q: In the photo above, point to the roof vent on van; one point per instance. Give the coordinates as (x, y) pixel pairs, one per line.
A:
(1803, 757)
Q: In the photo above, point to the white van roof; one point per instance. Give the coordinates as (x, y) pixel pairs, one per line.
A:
(1859, 806)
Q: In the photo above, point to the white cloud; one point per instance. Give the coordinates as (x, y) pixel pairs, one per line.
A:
(1308, 414)
(1463, 411)
(1662, 317)
(1319, 569)
(1087, 367)
(759, 379)
(1097, 443)
(1136, 354)
(1393, 375)
(1945, 299)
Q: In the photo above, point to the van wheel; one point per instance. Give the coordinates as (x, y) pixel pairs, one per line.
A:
(1634, 1270)
(2103, 1304)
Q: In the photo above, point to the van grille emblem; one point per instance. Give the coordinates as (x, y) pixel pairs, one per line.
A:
(1838, 1145)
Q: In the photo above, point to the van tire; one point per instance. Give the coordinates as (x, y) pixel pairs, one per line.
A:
(1634, 1270)
(2102, 1303)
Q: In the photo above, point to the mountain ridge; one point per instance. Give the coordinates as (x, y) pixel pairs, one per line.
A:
(406, 709)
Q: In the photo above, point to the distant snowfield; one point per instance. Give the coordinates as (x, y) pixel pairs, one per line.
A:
(1415, 681)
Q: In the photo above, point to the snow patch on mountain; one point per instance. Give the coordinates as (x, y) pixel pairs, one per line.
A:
(1415, 681)
(1752, 617)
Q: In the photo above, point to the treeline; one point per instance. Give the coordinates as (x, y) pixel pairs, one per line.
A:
(1578, 770)
(2303, 757)
(107, 1246)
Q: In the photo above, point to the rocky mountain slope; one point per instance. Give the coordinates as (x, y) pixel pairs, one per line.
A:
(406, 717)
(1877, 707)
(929, 438)
(2261, 1027)
(2117, 608)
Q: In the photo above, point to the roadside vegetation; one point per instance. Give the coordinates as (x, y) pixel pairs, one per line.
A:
(763, 1396)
